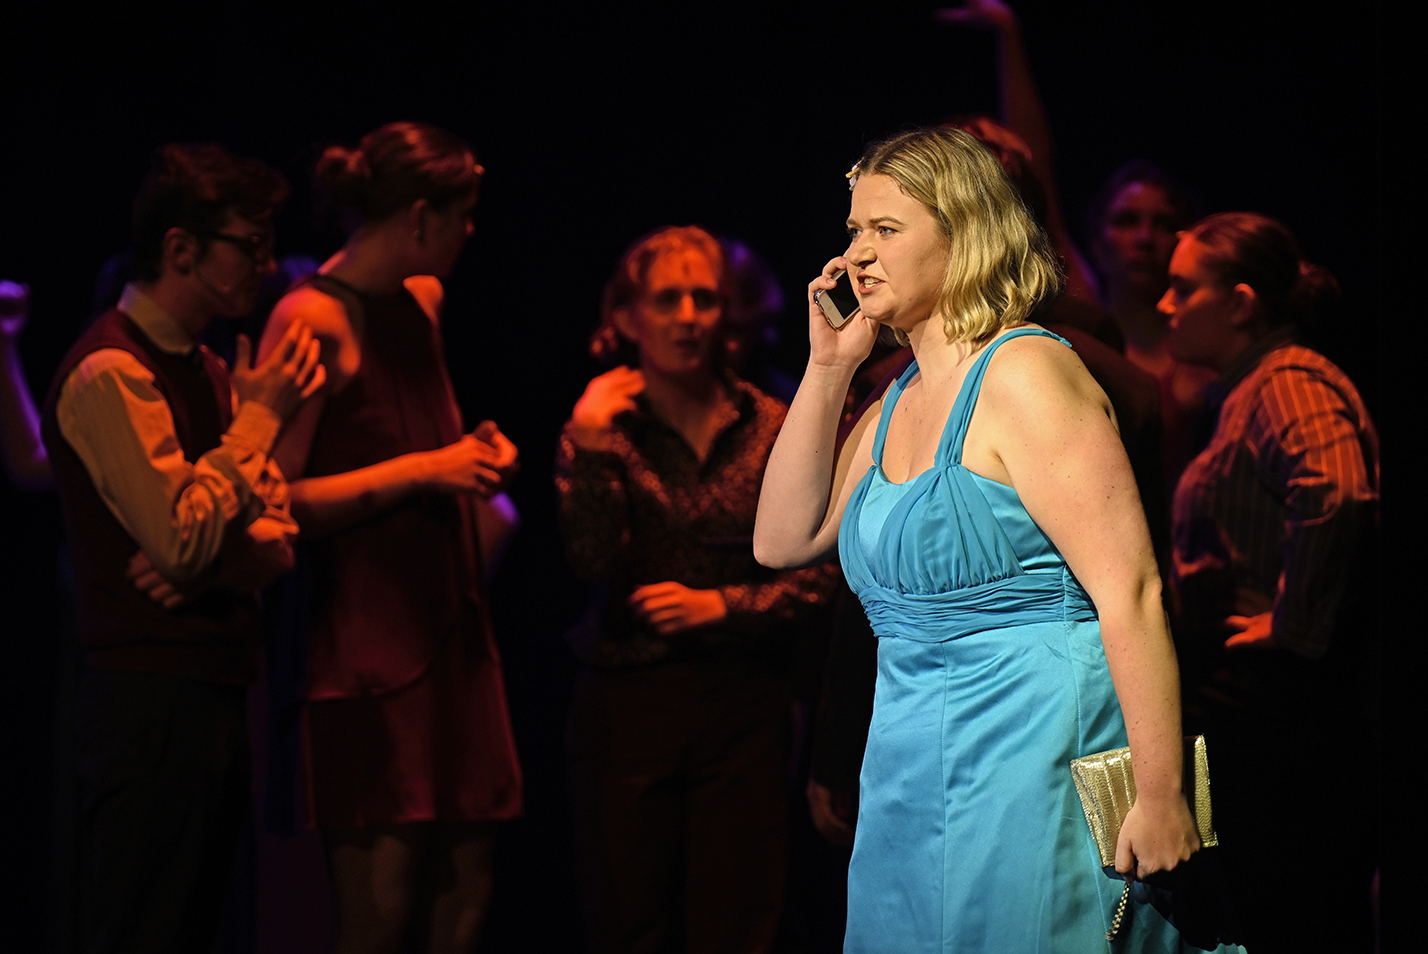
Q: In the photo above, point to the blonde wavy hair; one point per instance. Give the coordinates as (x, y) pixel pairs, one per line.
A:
(1000, 266)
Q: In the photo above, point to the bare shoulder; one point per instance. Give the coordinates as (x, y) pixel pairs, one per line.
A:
(427, 290)
(1037, 374)
(1038, 403)
(329, 321)
(325, 315)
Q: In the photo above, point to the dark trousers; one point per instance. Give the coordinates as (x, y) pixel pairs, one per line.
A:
(163, 780)
(678, 777)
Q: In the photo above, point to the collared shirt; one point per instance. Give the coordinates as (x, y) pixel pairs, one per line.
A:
(649, 511)
(1268, 516)
(112, 414)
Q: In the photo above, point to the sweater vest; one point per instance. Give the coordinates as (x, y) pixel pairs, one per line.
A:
(215, 636)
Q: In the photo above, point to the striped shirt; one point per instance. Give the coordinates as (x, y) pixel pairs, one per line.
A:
(1269, 516)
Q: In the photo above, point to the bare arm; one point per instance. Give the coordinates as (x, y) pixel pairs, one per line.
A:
(806, 486)
(1043, 426)
(1023, 112)
(479, 463)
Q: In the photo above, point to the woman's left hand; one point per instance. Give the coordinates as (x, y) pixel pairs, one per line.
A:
(1157, 835)
(671, 607)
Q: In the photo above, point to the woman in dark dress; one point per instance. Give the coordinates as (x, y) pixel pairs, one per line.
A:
(410, 753)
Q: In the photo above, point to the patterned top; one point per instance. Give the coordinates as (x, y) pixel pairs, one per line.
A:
(647, 511)
(1268, 516)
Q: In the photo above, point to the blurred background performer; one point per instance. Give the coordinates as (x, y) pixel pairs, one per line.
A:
(679, 733)
(1273, 596)
(176, 517)
(411, 756)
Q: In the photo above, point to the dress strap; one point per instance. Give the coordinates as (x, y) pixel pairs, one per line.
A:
(955, 432)
(890, 397)
(318, 279)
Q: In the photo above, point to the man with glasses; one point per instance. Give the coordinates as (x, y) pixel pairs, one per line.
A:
(176, 516)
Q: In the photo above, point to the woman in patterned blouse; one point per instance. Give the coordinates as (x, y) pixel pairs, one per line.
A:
(679, 731)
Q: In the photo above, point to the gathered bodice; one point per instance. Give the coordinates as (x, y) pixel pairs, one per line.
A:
(949, 552)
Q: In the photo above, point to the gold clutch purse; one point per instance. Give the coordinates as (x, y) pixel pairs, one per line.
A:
(1106, 784)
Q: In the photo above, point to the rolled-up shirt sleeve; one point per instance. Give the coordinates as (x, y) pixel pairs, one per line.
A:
(120, 426)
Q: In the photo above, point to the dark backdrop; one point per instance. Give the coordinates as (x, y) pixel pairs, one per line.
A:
(599, 123)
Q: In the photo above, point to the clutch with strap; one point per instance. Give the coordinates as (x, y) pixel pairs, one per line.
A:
(1106, 784)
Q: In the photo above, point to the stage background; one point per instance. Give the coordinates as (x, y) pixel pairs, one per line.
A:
(598, 123)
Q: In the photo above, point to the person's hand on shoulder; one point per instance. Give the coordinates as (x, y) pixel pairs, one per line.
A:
(606, 396)
(288, 376)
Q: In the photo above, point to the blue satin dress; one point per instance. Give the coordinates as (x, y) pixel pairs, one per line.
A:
(991, 679)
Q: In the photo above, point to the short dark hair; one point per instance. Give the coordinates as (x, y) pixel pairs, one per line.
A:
(394, 166)
(194, 186)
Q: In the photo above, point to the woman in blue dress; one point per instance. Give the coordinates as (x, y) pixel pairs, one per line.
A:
(987, 516)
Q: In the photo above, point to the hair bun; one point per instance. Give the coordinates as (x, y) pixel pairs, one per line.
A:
(1316, 295)
(396, 165)
(346, 176)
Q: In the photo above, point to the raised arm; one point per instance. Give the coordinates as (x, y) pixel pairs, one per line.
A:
(480, 463)
(1044, 426)
(112, 414)
(1023, 112)
(807, 485)
(590, 475)
(25, 457)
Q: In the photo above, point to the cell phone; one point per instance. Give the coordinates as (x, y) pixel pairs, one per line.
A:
(839, 303)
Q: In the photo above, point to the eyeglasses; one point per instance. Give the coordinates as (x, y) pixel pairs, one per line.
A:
(259, 248)
(668, 301)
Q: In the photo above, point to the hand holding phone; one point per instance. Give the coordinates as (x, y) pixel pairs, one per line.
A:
(845, 335)
(839, 303)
